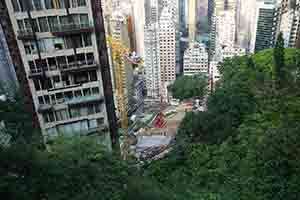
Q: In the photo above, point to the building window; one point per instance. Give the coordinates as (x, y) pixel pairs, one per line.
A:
(93, 76)
(84, 19)
(37, 4)
(43, 24)
(16, 6)
(78, 3)
(54, 4)
(29, 4)
(52, 63)
(77, 41)
(87, 40)
(30, 48)
(61, 115)
(90, 58)
(27, 25)
(87, 92)
(49, 117)
(93, 124)
(81, 3)
(48, 4)
(95, 91)
(21, 25)
(75, 112)
(53, 23)
(37, 85)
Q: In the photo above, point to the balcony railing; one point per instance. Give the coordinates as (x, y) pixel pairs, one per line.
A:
(69, 29)
(35, 73)
(71, 102)
(27, 34)
(83, 100)
(78, 66)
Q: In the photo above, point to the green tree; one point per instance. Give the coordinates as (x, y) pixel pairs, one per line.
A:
(75, 168)
(186, 87)
(18, 122)
(279, 64)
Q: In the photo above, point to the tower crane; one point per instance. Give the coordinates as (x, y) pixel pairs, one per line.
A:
(120, 55)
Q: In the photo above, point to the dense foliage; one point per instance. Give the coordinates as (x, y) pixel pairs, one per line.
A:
(73, 169)
(18, 122)
(246, 146)
(186, 87)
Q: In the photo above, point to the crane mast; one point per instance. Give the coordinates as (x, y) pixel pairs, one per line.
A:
(120, 55)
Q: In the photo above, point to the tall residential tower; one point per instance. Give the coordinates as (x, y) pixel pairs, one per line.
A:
(66, 65)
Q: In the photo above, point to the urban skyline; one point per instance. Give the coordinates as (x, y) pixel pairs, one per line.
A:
(60, 57)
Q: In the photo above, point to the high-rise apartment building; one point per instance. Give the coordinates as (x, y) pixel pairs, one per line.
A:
(167, 48)
(192, 19)
(66, 65)
(183, 12)
(152, 61)
(7, 71)
(225, 28)
(264, 26)
(139, 24)
(245, 18)
(225, 5)
(9, 38)
(160, 47)
(151, 43)
(288, 16)
(196, 60)
(222, 16)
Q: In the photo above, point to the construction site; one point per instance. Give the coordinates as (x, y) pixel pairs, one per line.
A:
(148, 134)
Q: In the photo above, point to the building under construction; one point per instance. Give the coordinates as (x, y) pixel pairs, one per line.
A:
(60, 54)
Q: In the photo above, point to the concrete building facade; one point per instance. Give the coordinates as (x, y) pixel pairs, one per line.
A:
(289, 22)
(167, 49)
(264, 26)
(66, 65)
(225, 28)
(196, 60)
(152, 61)
(8, 76)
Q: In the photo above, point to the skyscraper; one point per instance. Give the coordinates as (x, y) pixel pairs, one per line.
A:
(182, 5)
(246, 11)
(167, 48)
(160, 47)
(139, 24)
(192, 19)
(289, 22)
(7, 71)
(225, 28)
(9, 38)
(66, 65)
(196, 59)
(152, 61)
(223, 5)
(151, 42)
(264, 29)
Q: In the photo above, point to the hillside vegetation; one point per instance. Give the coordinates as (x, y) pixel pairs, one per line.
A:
(247, 145)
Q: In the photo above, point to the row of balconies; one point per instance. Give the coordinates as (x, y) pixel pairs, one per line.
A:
(59, 31)
(67, 68)
(65, 103)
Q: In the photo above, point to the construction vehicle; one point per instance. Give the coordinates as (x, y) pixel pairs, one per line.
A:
(120, 55)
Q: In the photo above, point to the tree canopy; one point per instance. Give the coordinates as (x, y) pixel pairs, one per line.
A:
(186, 87)
(245, 146)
